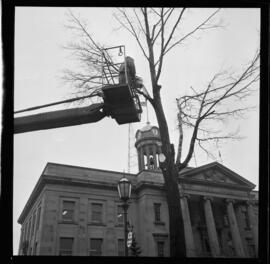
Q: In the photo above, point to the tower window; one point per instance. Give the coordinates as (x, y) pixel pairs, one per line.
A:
(151, 163)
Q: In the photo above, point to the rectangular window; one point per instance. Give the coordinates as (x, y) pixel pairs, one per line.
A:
(68, 210)
(95, 247)
(21, 241)
(121, 248)
(230, 245)
(205, 241)
(33, 225)
(25, 231)
(35, 249)
(120, 216)
(29, 228)
(251, 247)
(157, 211)
(38, 218)
(66, 246)
(96, 212)
(160, 248)
(246, 219)
(225, 221)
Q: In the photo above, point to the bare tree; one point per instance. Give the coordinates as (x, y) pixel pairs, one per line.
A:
(200, 109)
(157, 32)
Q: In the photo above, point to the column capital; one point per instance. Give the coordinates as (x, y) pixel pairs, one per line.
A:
(205, 198)
(230, 200)
(250, 202)
(184, 195)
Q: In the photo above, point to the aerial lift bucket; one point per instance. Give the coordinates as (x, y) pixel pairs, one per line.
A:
(120, 99)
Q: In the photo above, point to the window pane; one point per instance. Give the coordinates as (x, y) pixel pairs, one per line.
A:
(33, 225)
(121, 250)
(246, 218)
(251, 247)
(97, 212)
(35, 249)
(160, 248)
(69, 205)
(95, 247)
(68, 210)
(38, 218)
(157, 212)
(29, 228)
(120, 217)
(66, 244)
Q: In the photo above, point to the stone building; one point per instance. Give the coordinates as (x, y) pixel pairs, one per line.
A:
(76, 211)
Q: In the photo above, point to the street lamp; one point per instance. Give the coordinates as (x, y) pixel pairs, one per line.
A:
(124, 191)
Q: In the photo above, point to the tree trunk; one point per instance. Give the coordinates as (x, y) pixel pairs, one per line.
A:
(170, 174)
(177, 236)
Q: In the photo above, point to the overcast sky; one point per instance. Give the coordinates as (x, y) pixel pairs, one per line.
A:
(40, 59)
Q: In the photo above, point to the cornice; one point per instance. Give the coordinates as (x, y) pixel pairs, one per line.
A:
(213, 183)
(227, 171)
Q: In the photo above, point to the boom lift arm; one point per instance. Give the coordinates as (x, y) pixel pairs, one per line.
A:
(60, 118)
(118, 92)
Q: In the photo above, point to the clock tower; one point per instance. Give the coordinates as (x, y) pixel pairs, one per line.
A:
(148, 145)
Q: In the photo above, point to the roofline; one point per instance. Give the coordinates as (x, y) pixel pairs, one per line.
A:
(42, 180)
(30, 201)
(86, 168)
(40, 184)
(213, 164)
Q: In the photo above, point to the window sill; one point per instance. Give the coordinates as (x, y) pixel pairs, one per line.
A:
(159, 223)
(119, 225)
(67, 222)
(96, 224)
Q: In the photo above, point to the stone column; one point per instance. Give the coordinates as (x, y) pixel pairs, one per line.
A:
(211, 227)
(237, 241)
(253, 224)
(155, 156)
(147, 156)
(139, 159)
(142, 159)
(189, 239)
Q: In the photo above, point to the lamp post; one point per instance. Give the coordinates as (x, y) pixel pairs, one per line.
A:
(124, 191)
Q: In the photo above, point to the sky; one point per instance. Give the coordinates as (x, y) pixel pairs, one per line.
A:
(39, 63)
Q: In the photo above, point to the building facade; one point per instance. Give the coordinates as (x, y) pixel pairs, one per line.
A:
(76, 211)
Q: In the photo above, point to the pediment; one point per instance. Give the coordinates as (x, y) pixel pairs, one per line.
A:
(216, 173)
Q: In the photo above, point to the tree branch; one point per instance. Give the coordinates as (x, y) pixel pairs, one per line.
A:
(192, 32)
(180, 127)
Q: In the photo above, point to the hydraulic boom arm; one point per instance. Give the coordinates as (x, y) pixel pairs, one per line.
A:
(60, 118)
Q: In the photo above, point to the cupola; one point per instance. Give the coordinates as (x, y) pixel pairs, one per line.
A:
(148, 145)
